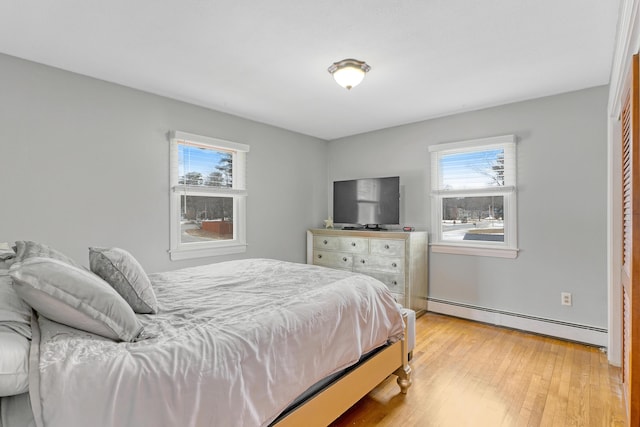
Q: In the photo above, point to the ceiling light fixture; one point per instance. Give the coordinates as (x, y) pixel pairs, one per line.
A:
(348, 73)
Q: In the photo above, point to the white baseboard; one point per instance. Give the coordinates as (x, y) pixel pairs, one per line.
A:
(565, 330)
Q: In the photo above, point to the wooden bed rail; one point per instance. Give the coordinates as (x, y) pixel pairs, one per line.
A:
(331, 402)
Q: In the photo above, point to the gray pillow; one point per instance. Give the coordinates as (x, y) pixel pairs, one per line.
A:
(122, 271)
(6, 252)
(27, 249)
(15, 314)
(74, 297)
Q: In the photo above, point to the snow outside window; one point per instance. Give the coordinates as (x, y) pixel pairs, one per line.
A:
(473, 189)
(208, 196)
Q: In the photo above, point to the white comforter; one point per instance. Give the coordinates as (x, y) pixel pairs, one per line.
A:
(233, 344)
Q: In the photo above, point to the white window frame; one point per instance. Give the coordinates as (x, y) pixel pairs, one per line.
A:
(506, 249)
(238, 191)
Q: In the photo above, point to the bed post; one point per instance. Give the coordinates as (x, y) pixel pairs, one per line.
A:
(404, 372)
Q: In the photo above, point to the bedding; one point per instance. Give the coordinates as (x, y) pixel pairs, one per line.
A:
(26, 249)
(232, 344)
(15, 314)
(7, 256)
(14, 363)
(15, 333)
(6, 251)
(6, 264)
(75, 297)
(122, 271)
(15, 411)
(15, 320)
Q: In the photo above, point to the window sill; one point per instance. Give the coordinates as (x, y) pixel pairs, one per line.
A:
(229, 249)
(444, 248)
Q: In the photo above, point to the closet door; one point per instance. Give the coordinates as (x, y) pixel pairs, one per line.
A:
(630, 268)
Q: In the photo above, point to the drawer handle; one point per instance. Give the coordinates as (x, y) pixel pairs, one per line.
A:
(386, 246)
(353, 243)
(320, 256)
(394, 283)
(324, 242)
(394, 265)
(362, 261)
(344, 259)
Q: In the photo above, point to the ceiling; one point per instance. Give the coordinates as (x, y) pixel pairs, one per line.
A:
(267, 60)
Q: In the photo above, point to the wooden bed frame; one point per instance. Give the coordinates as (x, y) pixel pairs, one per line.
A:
(331, 402)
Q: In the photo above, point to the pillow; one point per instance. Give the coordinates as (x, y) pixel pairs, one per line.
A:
(6, 252)
(26, 249)
(14, 363)
(122, 271)
(74, 297)
(6, 263)
(15, 314)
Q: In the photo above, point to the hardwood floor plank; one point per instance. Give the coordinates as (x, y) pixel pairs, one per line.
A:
(579, 397)
(473, 374)
(553, 394)
(544, 368)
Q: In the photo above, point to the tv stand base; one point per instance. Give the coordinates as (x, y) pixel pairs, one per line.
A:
(374, 227)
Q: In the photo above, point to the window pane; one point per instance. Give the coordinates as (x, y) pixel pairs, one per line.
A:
(473, 218)
(202, 166)
(472, 169)
(206, 218)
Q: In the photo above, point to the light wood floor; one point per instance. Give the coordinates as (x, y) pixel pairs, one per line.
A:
(472, 374)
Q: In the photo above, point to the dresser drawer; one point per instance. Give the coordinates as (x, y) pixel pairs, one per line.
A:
(326, 242)
(333, 259)
(395, 282)
(342, 244)
(387, 247)
(366, 264)
(356, 245)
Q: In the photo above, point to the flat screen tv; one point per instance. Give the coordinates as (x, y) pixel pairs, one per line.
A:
(367, 202)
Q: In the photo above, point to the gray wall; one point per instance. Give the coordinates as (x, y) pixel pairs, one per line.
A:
(85, 162)
(562, 163)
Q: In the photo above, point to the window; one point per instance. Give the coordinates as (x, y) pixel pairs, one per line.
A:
(473, 188)
(208, 196)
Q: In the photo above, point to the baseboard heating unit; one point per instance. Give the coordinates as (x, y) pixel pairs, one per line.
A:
(539, 325)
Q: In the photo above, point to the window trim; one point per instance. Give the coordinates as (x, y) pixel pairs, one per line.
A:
(506, 249)
(238, 244)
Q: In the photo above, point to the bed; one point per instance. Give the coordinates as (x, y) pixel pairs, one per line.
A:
(242, 343)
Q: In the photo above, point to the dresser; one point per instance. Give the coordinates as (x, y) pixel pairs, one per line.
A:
(397, 259)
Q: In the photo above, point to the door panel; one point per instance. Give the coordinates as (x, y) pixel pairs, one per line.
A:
(630, 268)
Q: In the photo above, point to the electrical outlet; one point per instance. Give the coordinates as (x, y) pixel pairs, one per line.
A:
(565, 298)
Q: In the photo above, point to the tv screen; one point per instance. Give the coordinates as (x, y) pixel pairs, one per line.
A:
(367, 201)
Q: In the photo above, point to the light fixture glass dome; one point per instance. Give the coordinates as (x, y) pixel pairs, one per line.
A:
(348, 73)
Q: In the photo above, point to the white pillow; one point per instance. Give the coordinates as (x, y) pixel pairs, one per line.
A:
(74, 297)
(15, 314)
(14, 363)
